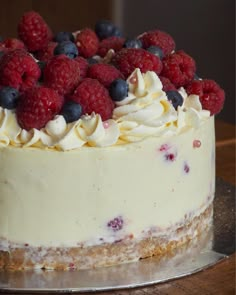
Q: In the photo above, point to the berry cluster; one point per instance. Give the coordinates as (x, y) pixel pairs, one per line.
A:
(44, 74)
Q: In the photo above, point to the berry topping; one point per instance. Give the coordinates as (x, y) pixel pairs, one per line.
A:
(179, 68)
(8, 97)
(170, 157)
(93, 97)
(167, 85)
(175, 97)
(83, 66)
(62, 74)
(67, 48)
(156, 51)
(47, 52)
(211, 95)
(71, 111)
(133, 43)
(104, 73)
(92, 60)
(116, 224)
(87, 43)
(34, 31)
(11, 43)
(37, 106)
(115, 43)
(64, 36)
(105, 29)
(118, 90)
(160, 39)
(128, 59)
(19, 70)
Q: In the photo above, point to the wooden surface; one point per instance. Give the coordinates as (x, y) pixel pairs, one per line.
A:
(219, 279)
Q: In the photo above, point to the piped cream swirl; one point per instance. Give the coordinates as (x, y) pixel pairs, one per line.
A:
(146, 111)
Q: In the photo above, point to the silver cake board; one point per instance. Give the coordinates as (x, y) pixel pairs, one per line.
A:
(214, 246)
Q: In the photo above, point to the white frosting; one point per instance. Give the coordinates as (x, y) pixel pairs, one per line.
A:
(145, 112)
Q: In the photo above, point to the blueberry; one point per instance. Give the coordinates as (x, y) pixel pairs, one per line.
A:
(175, 97)
(8, 97)
(195, 77)
(118, 89)
(41, 65)
(71, 111)
(64, 36)
(133, 43)
(156, 51)
(68, 48)
(105, 29)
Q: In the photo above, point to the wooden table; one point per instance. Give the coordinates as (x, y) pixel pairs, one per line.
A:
(219, 279)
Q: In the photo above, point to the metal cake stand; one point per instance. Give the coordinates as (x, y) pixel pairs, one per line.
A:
(213, 247)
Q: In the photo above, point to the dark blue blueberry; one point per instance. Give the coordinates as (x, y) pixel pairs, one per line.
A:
(92, 60)
(64, 36)
(105, 29)
(118, 89)
(156, 51)
(71, 111)
(133, 43)
(68, 48)
(175, 97)
(8, 97)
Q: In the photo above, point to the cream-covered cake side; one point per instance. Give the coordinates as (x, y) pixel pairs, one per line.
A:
(96, 196)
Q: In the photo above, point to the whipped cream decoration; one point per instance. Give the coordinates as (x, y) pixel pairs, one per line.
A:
(146, 111)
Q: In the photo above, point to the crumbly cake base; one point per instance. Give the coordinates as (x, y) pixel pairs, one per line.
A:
(107, 254)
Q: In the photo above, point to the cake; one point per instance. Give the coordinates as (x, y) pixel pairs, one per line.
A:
(109, 156)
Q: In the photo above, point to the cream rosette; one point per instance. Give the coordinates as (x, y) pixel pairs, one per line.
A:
(146, 111)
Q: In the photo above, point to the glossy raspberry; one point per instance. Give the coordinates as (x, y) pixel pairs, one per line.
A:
(11, 44)
(160, 39)
(104, 73)
(211, 95)
(93, 97)
(37, 106)
(19, 70)
(115, 43)
(83, 66)
(167, 85)
(179, 68)
(62, 74)
(87, 43)
(33, 31)
(128, 59)
(47, 52)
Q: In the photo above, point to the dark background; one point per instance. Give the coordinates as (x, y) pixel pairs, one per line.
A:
(205, 29)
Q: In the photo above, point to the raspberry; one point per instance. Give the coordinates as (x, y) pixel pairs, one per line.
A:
(94, 97)
(116, 224)
(19, 70)
(104, 73)
(37, 106)
(167, 85)
(11, 44)
(115, 43)
(128, 59)
(83, 66)
(179, 68)
(211, 95)
(87, 43)
(47, 52)
(62, 74)
(160, 39)
(34, 31)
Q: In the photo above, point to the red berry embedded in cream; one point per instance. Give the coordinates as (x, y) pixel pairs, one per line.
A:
(196, 143)
(116, 224)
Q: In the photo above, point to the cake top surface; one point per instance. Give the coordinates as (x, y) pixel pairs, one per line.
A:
(96, 88)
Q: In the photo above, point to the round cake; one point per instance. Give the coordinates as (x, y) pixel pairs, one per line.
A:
(107, 147)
